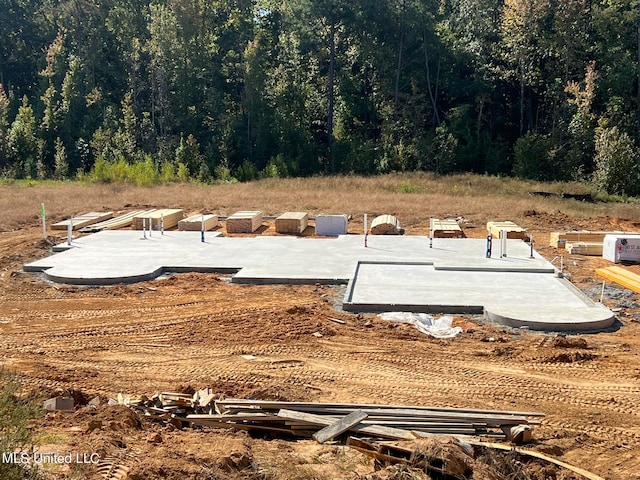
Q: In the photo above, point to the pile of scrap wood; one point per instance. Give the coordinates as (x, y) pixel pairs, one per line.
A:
(325, 421)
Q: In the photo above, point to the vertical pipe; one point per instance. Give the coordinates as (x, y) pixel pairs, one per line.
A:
(69, 231)
(531, 245)
(202, 229)
(44, 221)
(162, 224)
(144, 228)
(503, 243)
(602, 292)
(489, 239)
(430, 232)
(365, 230)
(150, 225)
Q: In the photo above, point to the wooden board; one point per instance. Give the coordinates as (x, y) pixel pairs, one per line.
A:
(170, 217)
(584, 248)
(83, 220)
(621, 276)
(513, 230)
(194, 223)
(385, 225)
(244, 222)
(118, 222)
(560, 239)
(292, 222)
(345, 423)
(446, 228)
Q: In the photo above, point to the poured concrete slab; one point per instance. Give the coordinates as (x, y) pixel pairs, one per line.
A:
(540, 301)
(454, 275)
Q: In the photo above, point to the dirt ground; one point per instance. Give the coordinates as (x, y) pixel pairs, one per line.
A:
(191, 331)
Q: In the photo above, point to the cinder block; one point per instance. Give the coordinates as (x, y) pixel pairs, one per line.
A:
(331, 225)
(60, 404)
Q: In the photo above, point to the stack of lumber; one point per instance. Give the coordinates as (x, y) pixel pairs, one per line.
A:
(513, 230)
(583, 242)
(292, 222)
(169, 216)
(83, 220)
(244, 222)
(621, 276)
(195, 223)
(120, 221)
(447, 228)
(385, 225)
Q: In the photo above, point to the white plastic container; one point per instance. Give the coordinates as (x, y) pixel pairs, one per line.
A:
(621, 248)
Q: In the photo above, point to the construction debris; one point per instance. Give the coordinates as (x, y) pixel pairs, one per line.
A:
(324, 421)
(59, 404)
(83, 220)
(386, 225)
(292, 222)
(244, 222)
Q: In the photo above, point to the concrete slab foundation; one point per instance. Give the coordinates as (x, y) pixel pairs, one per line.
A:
(393, 273)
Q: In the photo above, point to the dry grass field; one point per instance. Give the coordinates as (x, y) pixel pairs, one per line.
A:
(192, 331)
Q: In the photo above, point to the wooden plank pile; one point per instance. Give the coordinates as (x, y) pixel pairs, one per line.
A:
(582, 242)
(83, 220)
(120, 221)
(621, 276)
(168, 216)
(447, 228)
(323, 421)
(512, 229)
(244, 222)
(292, 222)
(385, 225)
(195, 223)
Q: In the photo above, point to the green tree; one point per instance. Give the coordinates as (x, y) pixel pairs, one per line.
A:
(23, 144)
(616, 160)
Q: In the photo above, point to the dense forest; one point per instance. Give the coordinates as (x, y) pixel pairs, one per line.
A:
(211, 89)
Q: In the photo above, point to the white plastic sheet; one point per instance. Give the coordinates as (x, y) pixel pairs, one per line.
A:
(436, 327)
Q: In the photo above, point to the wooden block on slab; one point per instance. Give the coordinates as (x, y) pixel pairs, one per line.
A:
(170, 217)
(83, 220)
(120, 221)
(513, 230)
(292, 222)
(244, 222)
(385, 225)
(446, 228)
(194, 223)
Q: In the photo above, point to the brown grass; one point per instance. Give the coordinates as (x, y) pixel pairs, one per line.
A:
(411, 197)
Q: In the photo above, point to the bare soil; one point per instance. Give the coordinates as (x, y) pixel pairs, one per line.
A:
(191, 331)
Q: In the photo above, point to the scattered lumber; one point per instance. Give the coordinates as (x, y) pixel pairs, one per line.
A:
(324, 421)
(560, 239)
(196, 223)
(513, 230)
(385, 225)
(447, 228)
(169, 216)
(621, 276)
(83, 220)
(292, 222)
(244, 222)
(120, 221)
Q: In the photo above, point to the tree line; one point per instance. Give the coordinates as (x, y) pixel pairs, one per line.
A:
(211, 89)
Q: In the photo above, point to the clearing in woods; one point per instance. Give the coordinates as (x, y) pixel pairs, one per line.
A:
(192, 331)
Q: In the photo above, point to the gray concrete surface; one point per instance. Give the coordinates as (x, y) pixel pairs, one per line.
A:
(393, 273)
